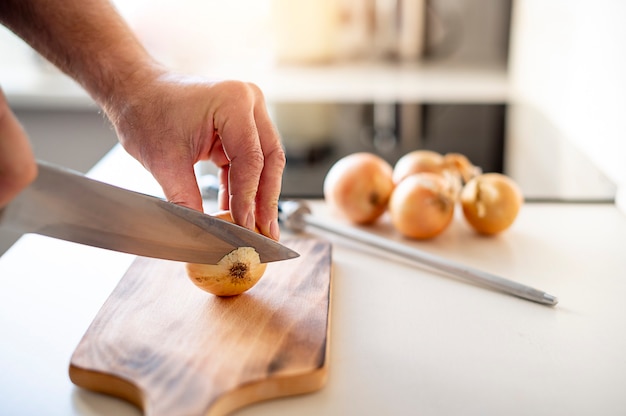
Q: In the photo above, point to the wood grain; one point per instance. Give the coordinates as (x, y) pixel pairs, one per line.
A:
(172, 349)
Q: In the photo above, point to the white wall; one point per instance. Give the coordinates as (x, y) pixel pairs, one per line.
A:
(568, 59)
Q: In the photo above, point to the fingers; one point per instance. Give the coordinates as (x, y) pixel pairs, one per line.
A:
(223, 196)
(271, 177)
(175, 174)
(256, 163)
(170, 162)
(242, 147)
(179, 184)
(218, 157)
(17, 163)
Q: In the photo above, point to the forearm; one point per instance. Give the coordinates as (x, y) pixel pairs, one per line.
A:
(87, 39)
(165, 121)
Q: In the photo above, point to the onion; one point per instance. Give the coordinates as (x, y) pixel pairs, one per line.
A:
(358, 186)
(491, 202)
(422, 205)
(460, 163)
(417, 161)
(235, 273)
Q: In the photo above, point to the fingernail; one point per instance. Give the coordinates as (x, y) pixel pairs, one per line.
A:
(250, 221)
(275, 230)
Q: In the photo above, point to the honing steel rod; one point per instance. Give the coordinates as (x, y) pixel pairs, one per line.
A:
(296, 216)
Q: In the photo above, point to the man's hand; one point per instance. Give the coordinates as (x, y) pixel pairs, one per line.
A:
(17, 163)
(167, 122)
(170, 122)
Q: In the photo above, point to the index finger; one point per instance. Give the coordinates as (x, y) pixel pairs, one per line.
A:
(241, 145)
(256, 160)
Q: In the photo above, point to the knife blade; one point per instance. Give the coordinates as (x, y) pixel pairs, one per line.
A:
(67, 205)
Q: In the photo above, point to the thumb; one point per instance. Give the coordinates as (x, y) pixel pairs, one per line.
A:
(180, 186)
(17, 162)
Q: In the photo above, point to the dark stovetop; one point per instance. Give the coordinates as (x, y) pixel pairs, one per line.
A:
(511, 139)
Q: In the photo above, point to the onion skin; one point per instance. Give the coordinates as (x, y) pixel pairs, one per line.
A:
(491, 203)
(422, 206)
(455, 167)
(461, 164)
(358, 186)
(235, 273)
(418, 161)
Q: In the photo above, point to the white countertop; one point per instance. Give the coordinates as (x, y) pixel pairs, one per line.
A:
(404, 340)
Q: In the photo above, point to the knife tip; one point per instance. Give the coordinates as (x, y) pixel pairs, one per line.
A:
(288, 253)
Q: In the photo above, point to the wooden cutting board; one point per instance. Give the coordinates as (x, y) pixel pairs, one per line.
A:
(173, 349)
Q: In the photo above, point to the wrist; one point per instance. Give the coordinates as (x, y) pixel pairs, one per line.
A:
(124, 86)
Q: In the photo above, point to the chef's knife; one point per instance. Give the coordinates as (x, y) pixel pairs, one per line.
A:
(64, 204)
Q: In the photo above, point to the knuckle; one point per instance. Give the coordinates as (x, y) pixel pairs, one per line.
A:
(278, 157)
(256, 90)
(254, 159)
(238, 90)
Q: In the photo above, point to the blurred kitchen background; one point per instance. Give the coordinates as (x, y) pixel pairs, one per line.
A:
(532, 88)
